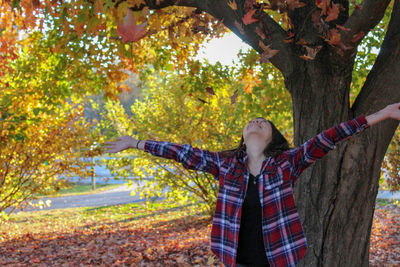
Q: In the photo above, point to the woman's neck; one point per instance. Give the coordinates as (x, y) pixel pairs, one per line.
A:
(255, 151)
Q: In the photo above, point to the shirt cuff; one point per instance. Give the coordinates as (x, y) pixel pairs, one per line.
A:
(362, 122)
(147, 145)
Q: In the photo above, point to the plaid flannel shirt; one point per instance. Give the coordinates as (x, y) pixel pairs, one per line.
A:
(284, 239)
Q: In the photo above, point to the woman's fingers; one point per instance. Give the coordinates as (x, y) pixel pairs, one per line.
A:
(109, 143)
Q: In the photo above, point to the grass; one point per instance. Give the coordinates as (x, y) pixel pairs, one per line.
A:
(387, 202)
(61, 220)
(80, 189)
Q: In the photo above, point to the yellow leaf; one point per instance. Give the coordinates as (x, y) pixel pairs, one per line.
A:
(136, 3)
(122, 10)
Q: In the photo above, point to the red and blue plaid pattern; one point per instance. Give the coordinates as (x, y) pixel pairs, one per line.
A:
(284, 238)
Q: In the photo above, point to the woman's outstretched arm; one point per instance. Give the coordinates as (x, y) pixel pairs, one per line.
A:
(190, 157)
(315, 148)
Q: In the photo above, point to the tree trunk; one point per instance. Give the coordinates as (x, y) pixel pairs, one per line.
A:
(336, 196)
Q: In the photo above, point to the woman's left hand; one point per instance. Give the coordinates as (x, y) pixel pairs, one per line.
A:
(389, 112)
(392, 111)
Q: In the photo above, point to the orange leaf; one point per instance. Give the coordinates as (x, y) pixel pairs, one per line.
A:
(306, 57)
(260, 33)
(232, 4)
(324, 5)
(301, 42)
(334, 37)
(293, 4)
(311, 52)
(333, 13)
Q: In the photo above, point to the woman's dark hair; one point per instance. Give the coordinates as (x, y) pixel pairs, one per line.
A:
(277, 145)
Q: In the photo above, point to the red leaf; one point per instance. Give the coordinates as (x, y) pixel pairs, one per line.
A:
(342, 28)
(357, 37)
(210, 90)
(248, 17)
(129, 30)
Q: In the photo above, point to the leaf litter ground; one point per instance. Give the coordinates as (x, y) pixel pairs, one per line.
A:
(152, 234)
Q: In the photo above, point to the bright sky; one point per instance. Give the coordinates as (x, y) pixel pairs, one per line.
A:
(223, 49)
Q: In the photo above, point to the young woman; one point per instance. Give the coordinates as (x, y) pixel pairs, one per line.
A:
(255, 221)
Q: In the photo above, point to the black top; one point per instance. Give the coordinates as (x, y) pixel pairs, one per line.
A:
(250, 249)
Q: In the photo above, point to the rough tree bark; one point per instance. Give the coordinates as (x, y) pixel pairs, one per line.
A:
(336, 195)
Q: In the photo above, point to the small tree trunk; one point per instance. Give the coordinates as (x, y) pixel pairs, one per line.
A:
(93, 175)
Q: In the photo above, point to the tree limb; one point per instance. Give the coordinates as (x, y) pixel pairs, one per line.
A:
(362, 20)
(382, 85)
(156, 4)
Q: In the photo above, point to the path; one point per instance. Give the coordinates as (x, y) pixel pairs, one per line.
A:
(122, 195)
(119, 195)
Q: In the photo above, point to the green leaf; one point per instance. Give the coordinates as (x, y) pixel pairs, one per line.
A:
(36, 111)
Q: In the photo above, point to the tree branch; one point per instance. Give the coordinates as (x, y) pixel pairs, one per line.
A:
(156, 4)
(382, 85)
(362, 20)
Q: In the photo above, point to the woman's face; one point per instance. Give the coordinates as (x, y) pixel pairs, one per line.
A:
(259, 128)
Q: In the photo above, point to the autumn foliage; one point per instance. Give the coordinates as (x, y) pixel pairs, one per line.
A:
(43, 133)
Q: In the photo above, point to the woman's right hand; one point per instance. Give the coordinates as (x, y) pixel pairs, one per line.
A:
(122, 143)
